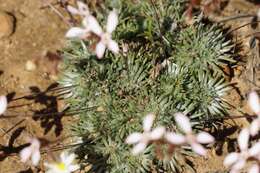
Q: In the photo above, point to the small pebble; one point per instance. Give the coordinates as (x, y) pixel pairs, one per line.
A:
(6, 24)
(30, 66)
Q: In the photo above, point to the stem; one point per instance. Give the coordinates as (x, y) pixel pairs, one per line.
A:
(236, 17)
(158, 22)
(230, 118)
(241, 27)
(10, 129)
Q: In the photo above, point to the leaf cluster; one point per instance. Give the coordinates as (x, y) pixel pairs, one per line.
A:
(168, 67)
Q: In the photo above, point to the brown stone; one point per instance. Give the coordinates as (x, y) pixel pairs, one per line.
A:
(6, 24)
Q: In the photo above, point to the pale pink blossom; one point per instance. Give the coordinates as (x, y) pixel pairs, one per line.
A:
(78, 32)
(254, 169)
(141, 140)
(33, 151)
(3, 104)
(194, 141)
(254, 103)
(238, 160)
(105, 37)
(82, 10)
(255, 126)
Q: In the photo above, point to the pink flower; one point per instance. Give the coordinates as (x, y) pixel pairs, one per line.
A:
(238, 160)
(82, 9)
(77, 32)
(189, 138)
(3, 104)
(105, 37)
(254, 103)
(33, 151)
(254, 169)
(255, 126)
(143, 139)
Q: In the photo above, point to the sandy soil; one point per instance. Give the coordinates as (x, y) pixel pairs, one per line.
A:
(37, 31)
(41, 30)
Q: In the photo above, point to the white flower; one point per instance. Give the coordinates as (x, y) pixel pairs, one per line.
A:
(105, 37)
(33, 151)
(77, 32)
(254, 103)
(255, 126)
(3, 104)
(82, 9)
(143, 139)
(238, 160)
(189, 138)
(64, 166)
(254, 169)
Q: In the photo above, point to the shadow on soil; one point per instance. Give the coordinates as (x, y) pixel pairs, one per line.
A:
(8, 150)
(48, 116)
(222, 137)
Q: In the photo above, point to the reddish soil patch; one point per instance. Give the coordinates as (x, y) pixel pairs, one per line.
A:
(37, 31)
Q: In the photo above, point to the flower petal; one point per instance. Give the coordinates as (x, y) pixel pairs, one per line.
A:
(63, 156)
(75, 32)
(254, 127)
(25, 154)
(174, 138)
(183, 122)
(199, 149)
(239, 164)
(113, 46)
(231, 159)
(254, 103)
(112, 21)
(49, 165)
(36, 156)
(73, 168)
(68, 158)
(243, 139)
(3, 104)
(100, 49)
(148, 122)
(157, 133)
(83, 8)
(254, 150)
(72, 10)
(35, 143)
(254, 169)
(233, 170)
(85, 23)
(133, 138)
(140, 147)
(94, 25)
(204, 138)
